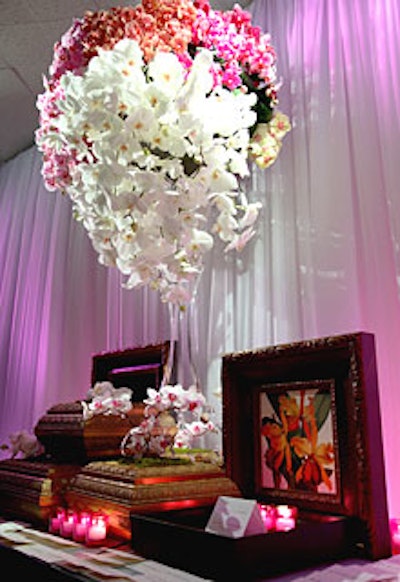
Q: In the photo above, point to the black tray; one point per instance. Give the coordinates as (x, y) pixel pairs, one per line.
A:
(179, 539)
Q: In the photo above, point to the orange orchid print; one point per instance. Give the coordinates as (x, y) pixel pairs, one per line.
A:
(289, 412)
(278, 456)
(291, 432)
(315, 458)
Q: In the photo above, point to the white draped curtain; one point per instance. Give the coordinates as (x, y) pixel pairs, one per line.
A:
(326, 259)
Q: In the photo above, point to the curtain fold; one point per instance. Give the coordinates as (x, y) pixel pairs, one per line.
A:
(325, 260)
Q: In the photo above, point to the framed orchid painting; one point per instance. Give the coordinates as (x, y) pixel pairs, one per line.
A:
(302, 426)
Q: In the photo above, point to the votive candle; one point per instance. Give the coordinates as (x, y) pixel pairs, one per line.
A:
(268, 515)
(81, 524)
(395, 532)
(67, 524)
(56, 520)
(285, 518)
(96, 531)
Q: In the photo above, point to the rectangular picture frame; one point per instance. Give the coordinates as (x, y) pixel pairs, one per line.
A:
(344, 367)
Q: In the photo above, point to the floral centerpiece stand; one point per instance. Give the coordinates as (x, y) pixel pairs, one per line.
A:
(149, 118)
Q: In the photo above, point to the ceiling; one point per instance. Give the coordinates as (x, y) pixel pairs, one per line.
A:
(28, 31)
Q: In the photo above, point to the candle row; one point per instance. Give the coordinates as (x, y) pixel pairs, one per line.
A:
(89, 528)
(278, 517)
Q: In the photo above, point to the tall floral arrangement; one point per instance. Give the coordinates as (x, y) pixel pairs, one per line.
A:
(148, 120)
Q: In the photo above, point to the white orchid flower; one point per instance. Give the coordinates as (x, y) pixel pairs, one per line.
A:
(106, 399)
(250, 215)
(167, 73)
(239, 241)
(155, 153)
(24, 444)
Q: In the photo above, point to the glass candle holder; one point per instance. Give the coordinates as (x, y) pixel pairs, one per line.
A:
(96, 531)
(55, 521)
(268, 515)
(81, 523)
(67, 524)
(395, 534)
(285, 517)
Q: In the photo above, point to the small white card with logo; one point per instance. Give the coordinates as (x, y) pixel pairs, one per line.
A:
(235, 517)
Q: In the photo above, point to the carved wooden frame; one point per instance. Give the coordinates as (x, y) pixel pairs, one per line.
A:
(348, 362)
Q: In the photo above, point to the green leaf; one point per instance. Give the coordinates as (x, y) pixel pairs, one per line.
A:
(273, 399)
(322, 407)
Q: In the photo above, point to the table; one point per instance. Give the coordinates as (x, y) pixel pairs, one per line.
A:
(27, 551)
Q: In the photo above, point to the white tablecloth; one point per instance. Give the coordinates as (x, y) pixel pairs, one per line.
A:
(350, 570)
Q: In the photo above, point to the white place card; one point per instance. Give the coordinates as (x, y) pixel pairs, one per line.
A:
(235, 517)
